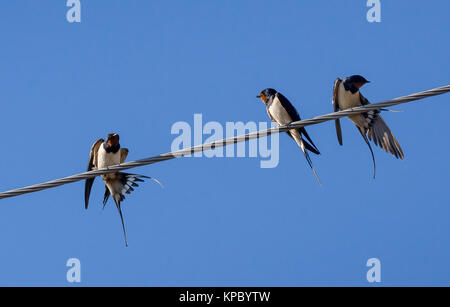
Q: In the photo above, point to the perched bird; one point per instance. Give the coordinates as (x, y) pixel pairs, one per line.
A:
(104, 154)
(371, 125)
(282, 112)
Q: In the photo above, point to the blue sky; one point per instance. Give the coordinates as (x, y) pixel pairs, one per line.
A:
(137, 67)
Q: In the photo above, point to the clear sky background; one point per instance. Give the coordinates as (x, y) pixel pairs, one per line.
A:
(137, 67)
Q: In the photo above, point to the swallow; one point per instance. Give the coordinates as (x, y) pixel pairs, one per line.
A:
(371, 125)
(108, 153)
(282, 112)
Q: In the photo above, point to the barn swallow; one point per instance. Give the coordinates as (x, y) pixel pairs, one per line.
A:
(282, 112)
(104, 154)
(371, 125)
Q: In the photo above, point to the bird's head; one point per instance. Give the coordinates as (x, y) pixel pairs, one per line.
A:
(112, 140)
(357, 81)
(266, 94)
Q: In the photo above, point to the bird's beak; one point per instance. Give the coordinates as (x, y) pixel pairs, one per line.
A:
(259, 96)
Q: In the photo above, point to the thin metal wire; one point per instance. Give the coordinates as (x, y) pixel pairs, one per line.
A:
(225, 142)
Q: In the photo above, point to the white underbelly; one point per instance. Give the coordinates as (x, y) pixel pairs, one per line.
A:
(347, 99)
(279, 113)
(106, 159)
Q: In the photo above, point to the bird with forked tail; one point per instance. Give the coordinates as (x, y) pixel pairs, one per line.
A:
(371, 125)
(281, 111)
(108, 153)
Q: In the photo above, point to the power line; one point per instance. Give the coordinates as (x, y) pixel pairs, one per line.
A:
(225, 142)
